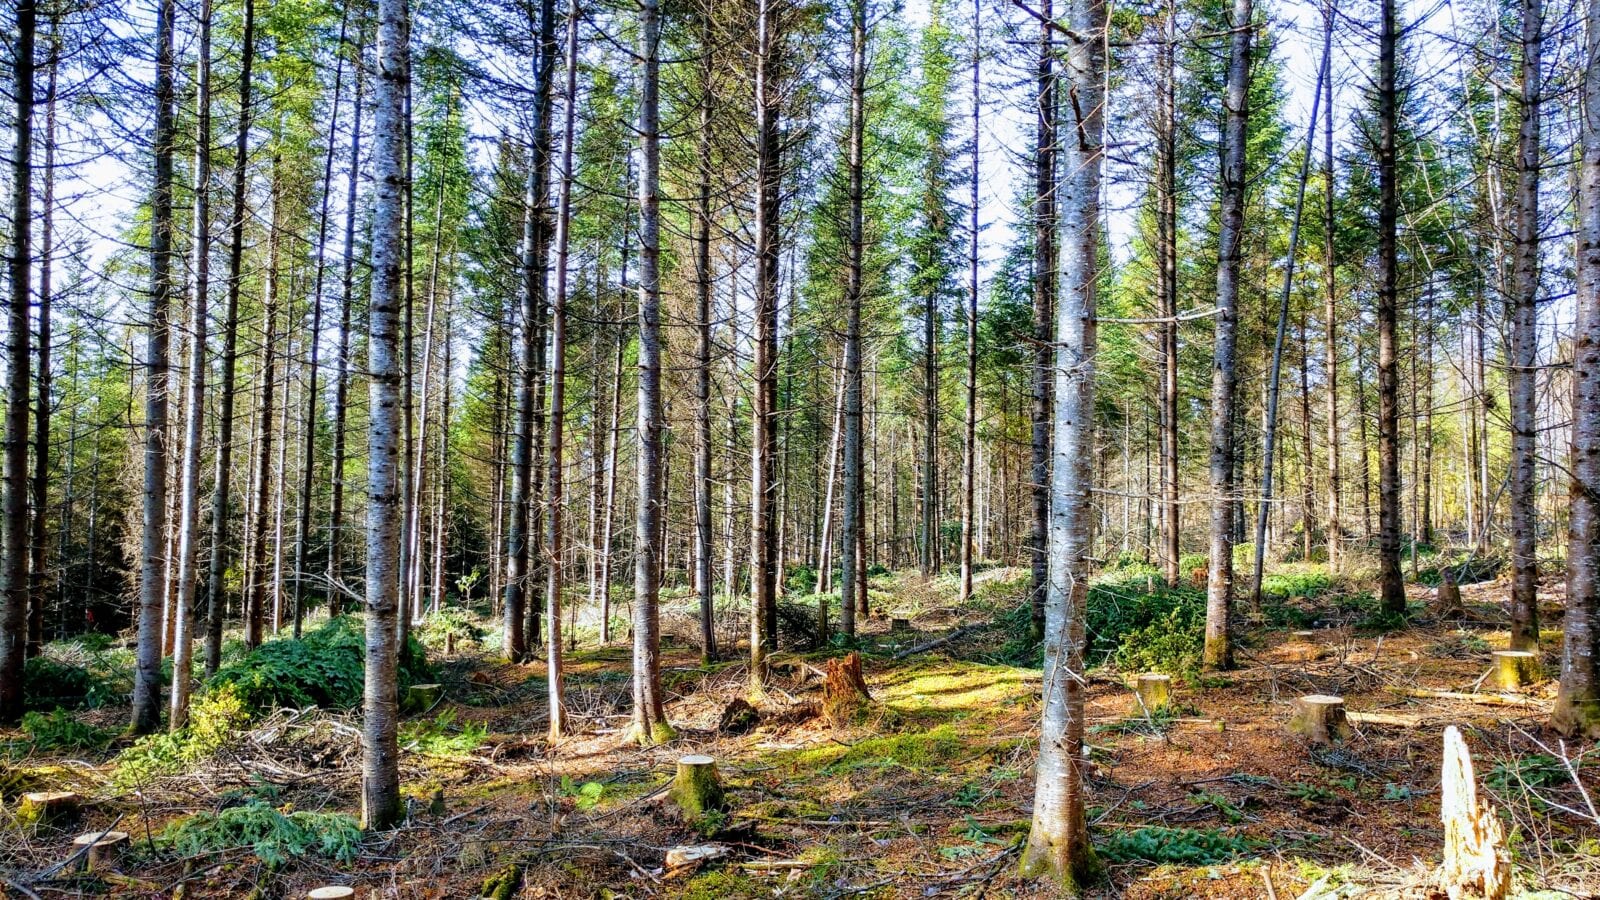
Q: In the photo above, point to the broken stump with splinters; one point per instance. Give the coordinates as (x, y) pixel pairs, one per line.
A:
(331, 892)
(1516, 669)
(1320, 719)
(1475, 860)
(1152, 692)
(104, 849)
(845, 699)
(697, 790)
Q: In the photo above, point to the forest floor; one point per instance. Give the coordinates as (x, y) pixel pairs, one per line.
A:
(929, 796)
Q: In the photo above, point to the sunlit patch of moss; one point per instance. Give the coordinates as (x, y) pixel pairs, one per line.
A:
(718, 885)
(919, 750)
(957, 690)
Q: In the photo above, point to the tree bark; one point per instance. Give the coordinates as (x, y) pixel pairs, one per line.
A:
(1393, 598)
(1577, 709)
(1224, 375)
(341, 390)
(14, 544)
(1058, 842)
(194, 415)
(1330, 282)
(764, 443)
(381, 805)
(1523, 316)
(852, 566)
(1167, 288)
(704, 483)
(38, 580)
(146, 716)
(256, 589)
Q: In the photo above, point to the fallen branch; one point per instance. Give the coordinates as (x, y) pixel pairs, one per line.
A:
(936, 643)
(1377, 718)
(1484, 699)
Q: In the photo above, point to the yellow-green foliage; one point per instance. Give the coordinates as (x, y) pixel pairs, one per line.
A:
(276, 835)
(215, 719)
(723, 885)
(921, 750)
(956, 689)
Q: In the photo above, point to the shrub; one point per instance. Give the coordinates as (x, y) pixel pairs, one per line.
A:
(215, 720)
(451, 620)
(441, 736)
(1143, 630)
(324, 668)
(1466, 569)
(1184, 846)
(60, 730)
(276, 836)
(77, 675)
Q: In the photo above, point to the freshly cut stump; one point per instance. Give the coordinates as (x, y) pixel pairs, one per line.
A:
(696, 790)
(422, 697)
(1516, 669)
(678, 857)
(48, 807)
(1320, 719)
(899, 624)
(1152, 693)
(331, 892)
(844, 691)
(1475, 860)
(1448, 599)
(105, 848)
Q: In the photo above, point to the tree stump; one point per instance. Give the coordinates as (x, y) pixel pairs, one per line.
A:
(48, 807)
(331, 892)
(844, 691)
(696, 790)
(422, 697)
(1320, 719)
(1475, 859)
(1448, 598)
(1152, 692)
(899, 624)
(822, 620)
(1516, 669)
(105, 848)
(738, 717)
(449, 648)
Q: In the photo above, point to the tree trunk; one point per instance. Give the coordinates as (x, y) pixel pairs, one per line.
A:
(554, 537)
(14, 566)
(851, 563)
(341, 390)
(704, 483)
(764, 444)
(381, 806)
(194, 415)
(1058, 842)
(1330, 284)
(153, 564)
(1393, 585)
(969, 456)
(222, 488)
(650, 724)
(1577, 709)
(38, 580)
(1167, 288)
(255, 602)
(1224, 375)
(1522, 371)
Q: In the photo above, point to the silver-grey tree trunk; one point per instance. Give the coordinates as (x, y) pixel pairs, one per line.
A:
(1224, 375)
(381, 806)
(1044, 289)
(194, 413)
(1577, 710)
(341, 388)
(146, 716)
(1058, 841)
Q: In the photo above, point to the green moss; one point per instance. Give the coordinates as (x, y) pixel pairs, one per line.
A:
(723, 885)
(502, 885)
(921, 751)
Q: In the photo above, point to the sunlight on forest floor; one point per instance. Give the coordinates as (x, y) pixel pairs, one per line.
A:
(928, 795)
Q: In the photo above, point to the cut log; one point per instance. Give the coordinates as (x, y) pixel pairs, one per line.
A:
(331, 892)
(104, 850)
(1476, 864)
(696, 790)
(845, 699)
(1485, 699)
(48, 807)
(1320, 719)
(1447, 601)
(678, 857)
(1378, 718)
(1516, 669)
(1152, 693)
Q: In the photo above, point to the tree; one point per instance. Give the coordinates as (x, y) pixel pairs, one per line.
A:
(969, 456)
(703, 278)
(14, 587)
(194, 402)
(1330, 283)
(1393, 597)
(381, 805)
(650, 725)
(852, 565)
(153, 561)
(1577, 709)
(1224, 370)
(1523, 316)
(1044, 291)
(1058, 841)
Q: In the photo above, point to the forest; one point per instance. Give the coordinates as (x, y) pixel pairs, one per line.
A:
(806, 448)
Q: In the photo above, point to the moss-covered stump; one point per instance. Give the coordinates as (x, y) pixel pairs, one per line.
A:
(331, 892)
(104, 850)
(696, 790)
(422, 697)
(502, 885)
(845, 699)
(1516, 669)
(738, 717)
(48, 807)
(1152, 692)
(1320, 719)
(899, 625)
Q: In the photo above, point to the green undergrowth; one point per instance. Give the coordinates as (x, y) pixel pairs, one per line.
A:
(468, 629)
(442, 736)
(61, 730)
(85, 673)
(324, 668)
(919, 751)
(1180, 846)
(215, 720)
(275, 835)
